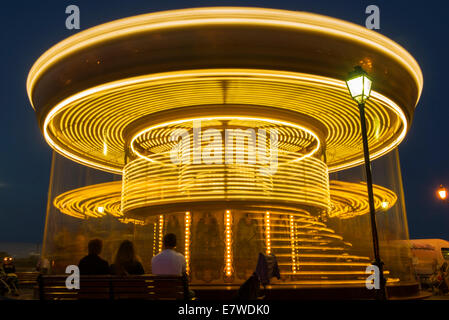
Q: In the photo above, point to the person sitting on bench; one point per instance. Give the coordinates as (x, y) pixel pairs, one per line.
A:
(170, 262)
(92, 264)
(126, 261)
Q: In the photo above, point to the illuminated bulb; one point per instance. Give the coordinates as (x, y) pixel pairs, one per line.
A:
(161, 226)
(292, 240)
(442, 193)
(187, 240)
(100, 209)
(384, 204)
(228, 231)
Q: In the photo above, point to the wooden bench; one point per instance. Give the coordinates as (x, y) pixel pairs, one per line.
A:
(107, 287)
(27, 278)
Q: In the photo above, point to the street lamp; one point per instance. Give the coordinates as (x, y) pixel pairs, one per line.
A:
(442, 192)
(359, 85)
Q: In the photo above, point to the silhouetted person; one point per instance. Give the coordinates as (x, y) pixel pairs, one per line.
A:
(92, 263)
(168, 261)
(126, 261)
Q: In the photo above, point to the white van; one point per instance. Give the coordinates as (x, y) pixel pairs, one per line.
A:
(428, 255)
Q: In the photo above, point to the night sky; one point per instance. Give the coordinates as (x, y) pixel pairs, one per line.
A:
(31, 27)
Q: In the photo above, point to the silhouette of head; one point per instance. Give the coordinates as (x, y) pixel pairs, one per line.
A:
(169, 241)
(126, 252)
(94, 247)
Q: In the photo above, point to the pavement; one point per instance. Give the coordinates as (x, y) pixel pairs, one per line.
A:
(29, 294)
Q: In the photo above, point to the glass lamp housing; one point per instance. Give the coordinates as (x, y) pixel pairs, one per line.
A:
(359, 85)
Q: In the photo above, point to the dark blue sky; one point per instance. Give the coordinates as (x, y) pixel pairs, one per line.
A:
(30, 27)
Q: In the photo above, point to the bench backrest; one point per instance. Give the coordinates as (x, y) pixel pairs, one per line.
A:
(27, 277)
(53, 287)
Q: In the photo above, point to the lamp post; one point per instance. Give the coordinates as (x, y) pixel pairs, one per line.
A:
(359, 85)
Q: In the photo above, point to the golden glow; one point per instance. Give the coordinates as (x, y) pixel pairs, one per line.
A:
(301, 129)
(228, 243)
(154, 238)
(187, 223)
(133, 221)
(223, 16)
(442, 193)
(130, 99)
(92, 201)
(161, 231)
(268, 232)
(347, 199)
(342, 282)
(293, 244)
(350, 199)
(95, 127)
(323, 254)
(285, 231)
(149, 184)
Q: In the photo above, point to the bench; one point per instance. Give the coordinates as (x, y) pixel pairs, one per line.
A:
(27, 278)
(108, 287)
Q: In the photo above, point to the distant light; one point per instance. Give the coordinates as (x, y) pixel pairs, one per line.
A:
(385, 204)
(442, 193)
(100, 209)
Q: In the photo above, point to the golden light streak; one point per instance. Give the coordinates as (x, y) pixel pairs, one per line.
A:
(327, 101)
(347, 199)
(149, 184)
(350, 199)
(218, 118)
(98, 125)
(154, 238)
(293, 243)
(161, 231)
(267, 232)
(187, 223)
(281, 230)
(228, 244)
(222, 16)
(133, 221)
(92, 201)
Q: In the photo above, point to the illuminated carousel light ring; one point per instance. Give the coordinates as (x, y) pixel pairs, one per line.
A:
(290, 38)
(292, 142)
(93, 201)
(147, 184)
(350, 199)
(303, 140)
(81, 126)
(347, 200)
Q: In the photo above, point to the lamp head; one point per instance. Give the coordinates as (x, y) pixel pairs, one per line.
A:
(359, 85)
(442, 193)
